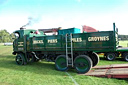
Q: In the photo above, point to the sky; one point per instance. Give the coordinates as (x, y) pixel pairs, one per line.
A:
(44, 14)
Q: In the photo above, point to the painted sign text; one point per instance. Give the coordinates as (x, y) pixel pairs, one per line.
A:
(101, 38)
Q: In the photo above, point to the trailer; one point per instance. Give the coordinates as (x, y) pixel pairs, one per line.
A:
(68, 49)
(119, 51)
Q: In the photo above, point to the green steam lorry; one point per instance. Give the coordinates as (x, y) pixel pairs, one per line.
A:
(69, 48)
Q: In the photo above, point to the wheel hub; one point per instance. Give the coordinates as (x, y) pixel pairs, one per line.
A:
(63, 63)
(18, 59)
(82, 64)
(110, 57)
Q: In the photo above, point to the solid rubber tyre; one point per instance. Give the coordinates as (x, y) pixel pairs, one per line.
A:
(83, 64)
(60, 63)
(110, 56)
(95, 59)
(125, 57)
(20, 59)
(31, 57)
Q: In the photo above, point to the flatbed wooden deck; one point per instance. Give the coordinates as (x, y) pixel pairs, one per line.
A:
(110, 71)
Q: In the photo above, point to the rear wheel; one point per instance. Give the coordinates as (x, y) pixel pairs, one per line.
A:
(95, 59)
(20, 59)
(31, 57)
(110, 56)
(125, 57)
(82, 63)
(60, 63)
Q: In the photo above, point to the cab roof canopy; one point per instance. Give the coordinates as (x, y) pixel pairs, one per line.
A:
(23, 32)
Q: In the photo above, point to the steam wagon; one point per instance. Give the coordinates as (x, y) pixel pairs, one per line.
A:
(69, 48)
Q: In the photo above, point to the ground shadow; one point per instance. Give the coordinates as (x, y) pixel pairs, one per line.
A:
(123, 79)
(102, 58)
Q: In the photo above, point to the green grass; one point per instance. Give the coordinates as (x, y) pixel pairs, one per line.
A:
(44, 73)
(124, 43)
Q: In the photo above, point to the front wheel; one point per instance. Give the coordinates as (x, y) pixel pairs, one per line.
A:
(20, 59)
(60, 63)
(83, 63)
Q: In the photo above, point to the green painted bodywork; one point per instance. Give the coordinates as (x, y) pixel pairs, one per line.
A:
(53, 43)
(21, 43)
(103, 41)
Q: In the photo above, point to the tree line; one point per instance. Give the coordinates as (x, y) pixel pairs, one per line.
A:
(6, 36)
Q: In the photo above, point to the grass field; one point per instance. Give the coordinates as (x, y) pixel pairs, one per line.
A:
(44, 73)
(124, 43)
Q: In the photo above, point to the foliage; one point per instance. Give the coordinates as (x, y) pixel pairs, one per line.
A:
(123, 43)
(6, 36)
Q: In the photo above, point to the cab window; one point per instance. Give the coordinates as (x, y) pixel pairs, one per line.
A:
(17, 35)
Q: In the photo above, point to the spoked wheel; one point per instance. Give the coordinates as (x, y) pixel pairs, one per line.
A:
(60, 63)
(110, 56)
(20, 59)
(83, 63)
(125, 57)
(95, 59)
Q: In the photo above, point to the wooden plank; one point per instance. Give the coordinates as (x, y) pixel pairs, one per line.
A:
(119, 66)
(117, 71)
(111, 66)
(97, 72)
(102, 67)
(110, 71)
